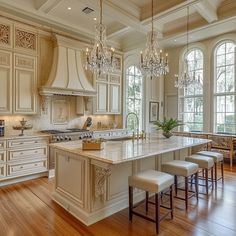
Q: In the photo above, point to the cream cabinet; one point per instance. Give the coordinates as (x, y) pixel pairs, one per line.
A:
(25, 84)
(22, 157)
(5, 82)
(108, 99)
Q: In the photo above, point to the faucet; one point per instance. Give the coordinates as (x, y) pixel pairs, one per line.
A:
(126, 120)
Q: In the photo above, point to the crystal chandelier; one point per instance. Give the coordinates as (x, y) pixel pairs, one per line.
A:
(152, 61)
(186, 76)
(100, 58)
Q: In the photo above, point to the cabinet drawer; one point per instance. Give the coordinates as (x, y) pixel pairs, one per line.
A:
(26, 168)
(2, 144)
(27, 154)
(19, 143)
(2, 171)
(2, 156)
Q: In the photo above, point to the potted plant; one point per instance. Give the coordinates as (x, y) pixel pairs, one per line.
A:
(167, 125)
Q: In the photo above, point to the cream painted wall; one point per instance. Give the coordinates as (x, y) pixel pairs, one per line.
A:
(175, 54)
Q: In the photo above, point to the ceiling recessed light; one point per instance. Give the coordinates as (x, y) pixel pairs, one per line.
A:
(175, 40)
(95, 18)
(69, 8)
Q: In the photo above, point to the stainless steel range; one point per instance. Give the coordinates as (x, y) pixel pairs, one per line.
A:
(68, 134)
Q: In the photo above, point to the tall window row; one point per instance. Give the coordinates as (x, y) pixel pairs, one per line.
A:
(224, 93)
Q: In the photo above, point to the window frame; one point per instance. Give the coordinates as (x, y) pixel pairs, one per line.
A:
(223, 94)
(181, 92)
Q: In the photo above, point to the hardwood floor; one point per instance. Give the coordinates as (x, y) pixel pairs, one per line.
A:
(27, 209)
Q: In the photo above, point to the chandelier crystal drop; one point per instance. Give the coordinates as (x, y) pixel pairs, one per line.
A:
(186, 76)
(100, 59)
(152, 61)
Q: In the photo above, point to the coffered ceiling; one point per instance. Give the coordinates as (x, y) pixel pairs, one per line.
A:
(128, 21)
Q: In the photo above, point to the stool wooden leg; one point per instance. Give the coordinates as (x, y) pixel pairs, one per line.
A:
(147, 197)
(196, 185)
(171, 201)
(130, 203)
(216, 175)
(186, 192)
(212, 177)
(157, 202)
(206, 172)
(176, 185)
(222, 171)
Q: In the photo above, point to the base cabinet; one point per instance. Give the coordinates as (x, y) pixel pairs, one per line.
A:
(21, 157)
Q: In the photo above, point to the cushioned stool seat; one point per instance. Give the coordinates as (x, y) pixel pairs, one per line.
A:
(217, 158)
(155, 182)
(181, 168)
(185, 169)
(206, 164)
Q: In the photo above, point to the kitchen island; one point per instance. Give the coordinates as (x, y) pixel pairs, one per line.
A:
(92, 185)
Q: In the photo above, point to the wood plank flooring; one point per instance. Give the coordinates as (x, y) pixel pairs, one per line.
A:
(26, 209)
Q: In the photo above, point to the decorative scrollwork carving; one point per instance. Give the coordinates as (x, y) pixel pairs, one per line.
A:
(4, 34)
(25, 39)
(101, 175)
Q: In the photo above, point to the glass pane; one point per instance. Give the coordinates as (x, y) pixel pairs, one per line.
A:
(190, 56)
(220, 104)
(220, 60)
(229, 118)
(220, 80)
(137, 72)
(198, 55)
(230, 103)
(188, 117)
(130, 105)
(198, 64)
(220, 128)
(229, 79)
(230, 59)
(230, 47)
(131, 70)
(130, 80)
(198, 105)
(189, 105)
(230, 128)
(220, 118)
(198, 117)
(196, 127)
(221, 49)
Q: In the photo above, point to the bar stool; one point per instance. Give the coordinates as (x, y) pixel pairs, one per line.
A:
(217, 158)
(155, 182)
(185, 169)
(205, 163)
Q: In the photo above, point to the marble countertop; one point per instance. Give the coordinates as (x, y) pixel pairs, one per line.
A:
(116, 152)
(33, 134)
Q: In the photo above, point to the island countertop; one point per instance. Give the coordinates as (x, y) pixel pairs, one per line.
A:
(116, 152)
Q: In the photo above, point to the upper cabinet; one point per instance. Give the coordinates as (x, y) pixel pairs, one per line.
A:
(109, 90)
(18, 69)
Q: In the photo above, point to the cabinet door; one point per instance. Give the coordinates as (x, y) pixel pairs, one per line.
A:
(5, 82)
(102, 98)
(115, 98)
(25, 84)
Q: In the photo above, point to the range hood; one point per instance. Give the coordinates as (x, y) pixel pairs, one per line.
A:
(67, 76)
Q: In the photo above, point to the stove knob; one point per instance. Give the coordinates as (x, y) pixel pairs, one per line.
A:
(66, 138)
(69, 139)
(62, 138)
(80, 137)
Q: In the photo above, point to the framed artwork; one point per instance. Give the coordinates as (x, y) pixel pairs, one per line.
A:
(60, 111)
(153, 111)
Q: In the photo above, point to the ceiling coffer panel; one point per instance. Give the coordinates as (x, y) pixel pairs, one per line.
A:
(67, 76)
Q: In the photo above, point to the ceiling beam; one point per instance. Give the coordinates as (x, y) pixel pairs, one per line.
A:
(48, 5)
(207, 11)
(118, 32)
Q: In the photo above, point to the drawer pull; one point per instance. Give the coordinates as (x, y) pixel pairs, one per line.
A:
(21, 167)
(36, 142)
(21, 143)
(21, 153)
(36, 152)
(35, 164)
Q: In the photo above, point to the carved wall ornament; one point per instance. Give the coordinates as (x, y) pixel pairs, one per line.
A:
(24, 62)
(101, 175)
(24, 39)
(5, 34)
(4, 58)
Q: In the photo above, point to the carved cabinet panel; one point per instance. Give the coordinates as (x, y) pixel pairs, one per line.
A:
(5, 33)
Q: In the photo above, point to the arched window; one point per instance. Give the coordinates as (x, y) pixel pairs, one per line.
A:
(134, 92)
(191, 97)
(224, 88)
